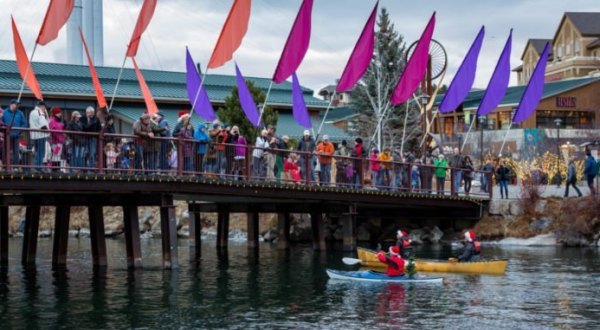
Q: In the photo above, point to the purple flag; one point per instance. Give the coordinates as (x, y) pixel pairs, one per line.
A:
(196, 92)
(415, 68)
(246, 100)
(299, 107)
(361, 56)
(498, 83)
(296, 44)
(464, 78)
(534, 90)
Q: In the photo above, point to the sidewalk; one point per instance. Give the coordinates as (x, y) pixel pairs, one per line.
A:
(514, 191)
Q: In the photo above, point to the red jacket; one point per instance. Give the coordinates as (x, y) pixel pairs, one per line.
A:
(395, 264)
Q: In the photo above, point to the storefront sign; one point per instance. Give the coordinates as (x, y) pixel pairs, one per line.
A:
(566, 102)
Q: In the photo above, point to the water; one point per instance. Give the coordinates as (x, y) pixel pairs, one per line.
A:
(543, 288)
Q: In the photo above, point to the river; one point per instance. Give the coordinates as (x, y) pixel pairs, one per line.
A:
(542, 288)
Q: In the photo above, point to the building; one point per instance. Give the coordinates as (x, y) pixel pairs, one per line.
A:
(341, 117)
(575, 49)
(339, 99)
(70, 87)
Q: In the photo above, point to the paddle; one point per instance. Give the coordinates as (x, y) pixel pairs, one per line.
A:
(351, 261)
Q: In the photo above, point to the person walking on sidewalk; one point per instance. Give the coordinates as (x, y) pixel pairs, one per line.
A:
(502, 176)
(572, 178)
(590, 171)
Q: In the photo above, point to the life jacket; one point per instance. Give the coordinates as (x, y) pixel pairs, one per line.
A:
(395, 264)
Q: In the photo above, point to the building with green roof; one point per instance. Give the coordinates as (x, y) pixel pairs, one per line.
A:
(70, 87)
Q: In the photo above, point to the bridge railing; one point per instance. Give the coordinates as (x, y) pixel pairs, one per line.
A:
(29, 150)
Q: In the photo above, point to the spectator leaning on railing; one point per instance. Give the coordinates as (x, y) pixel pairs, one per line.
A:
(441, 166)
(203, 141)
(14, 118)
(38, 120)
(185, 131)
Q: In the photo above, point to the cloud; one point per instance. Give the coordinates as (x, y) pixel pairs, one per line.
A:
(336, 26)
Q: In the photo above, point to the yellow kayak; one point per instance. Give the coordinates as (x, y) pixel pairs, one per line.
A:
(496, 267)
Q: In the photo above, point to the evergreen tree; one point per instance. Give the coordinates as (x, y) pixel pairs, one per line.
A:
(371, 97)
(232, 114)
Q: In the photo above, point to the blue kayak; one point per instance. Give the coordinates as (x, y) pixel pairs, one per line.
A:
(371, 276)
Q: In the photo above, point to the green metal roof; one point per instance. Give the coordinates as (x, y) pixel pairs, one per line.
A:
(286, 125)
(67, 80)
(513, 94)
(339, 113)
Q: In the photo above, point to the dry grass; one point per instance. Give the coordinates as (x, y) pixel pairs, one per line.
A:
(577, 215)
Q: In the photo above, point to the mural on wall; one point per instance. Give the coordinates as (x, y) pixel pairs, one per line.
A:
(533, 143)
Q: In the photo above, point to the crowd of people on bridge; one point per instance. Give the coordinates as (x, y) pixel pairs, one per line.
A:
(220, 150)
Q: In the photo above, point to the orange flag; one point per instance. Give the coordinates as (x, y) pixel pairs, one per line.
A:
(150, 104)
(94, 74)
(25, 68)
(56, 16)
(232, 34)
(142, 23)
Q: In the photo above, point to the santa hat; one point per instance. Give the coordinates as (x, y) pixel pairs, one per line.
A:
(183, 113)
(394, 250)
(402, 233)
(469, 236)
(56, 110)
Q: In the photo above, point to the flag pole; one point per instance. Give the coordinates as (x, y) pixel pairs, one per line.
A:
(468, 133)
(262, 110)
(404, 130)
(429, 127)
(326, 113)
(26, 73)
(204, 74)
(112, 100)
(504, 140)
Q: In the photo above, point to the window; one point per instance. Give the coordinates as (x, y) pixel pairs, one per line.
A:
(577, 46)
(568, 48)
(570, 119)
(559, 52)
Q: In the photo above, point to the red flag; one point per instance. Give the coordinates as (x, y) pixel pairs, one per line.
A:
(25, 68)
(232, 34)
(94, 74)
(56, 16)
(141, 25)
(150, 104)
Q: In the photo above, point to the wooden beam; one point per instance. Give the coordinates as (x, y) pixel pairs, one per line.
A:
(349, 229)
(253, 230)
(97, 235)
(168, 225)
(223, 229)
(61, 237)
(30, 236)
(132, 236)
(195, 229)
(318, 231)
(283, 231)
(4, 236)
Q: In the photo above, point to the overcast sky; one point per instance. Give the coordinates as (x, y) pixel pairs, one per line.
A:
(336, 26)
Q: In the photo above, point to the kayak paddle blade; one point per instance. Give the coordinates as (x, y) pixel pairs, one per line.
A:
(351, 261)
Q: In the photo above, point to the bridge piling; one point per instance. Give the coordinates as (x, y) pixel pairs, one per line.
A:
(349, 229)
(3, 236)
(253, 229)
(168, 223)
(97, 235)
(318, 231)
(195, 229)
(30, 236)
(132, 236)
(283, 231)
(61, 236)
(222, 228)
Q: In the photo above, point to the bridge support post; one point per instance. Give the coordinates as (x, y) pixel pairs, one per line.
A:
(349, 229)
(168, 224)
(252, 229)
(3, 236)
(61, 236)
(222, 229)
(132, 236)
(318, 231)
(97, 235)
(30, 236)
(195, 228)
(283, 231)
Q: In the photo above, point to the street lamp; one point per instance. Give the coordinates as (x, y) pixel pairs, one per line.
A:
(558, 122)
(423, 99)
(482, 120)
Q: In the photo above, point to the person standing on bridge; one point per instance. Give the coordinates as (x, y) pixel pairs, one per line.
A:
(325, 150)
(185, 132)
(502, 174)
(457, 163)
(467, 173)
(203, 142)
(91, 124)
(14, 118)
(358, 153)
(77, 142)
(305, 149)
(38, 120)
(258, 165)
(165, 132)
(441, 166)
(57, 137)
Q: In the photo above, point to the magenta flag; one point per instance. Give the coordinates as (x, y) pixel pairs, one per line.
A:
(361, 56)
(464, 78)
(415, 68)
(534, 90)
(498, 83)
(299, 107)
(296, 45)
(246, 101)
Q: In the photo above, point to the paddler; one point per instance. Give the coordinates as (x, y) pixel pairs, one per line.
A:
(472, 248)
(403, 242)
(395, 264)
